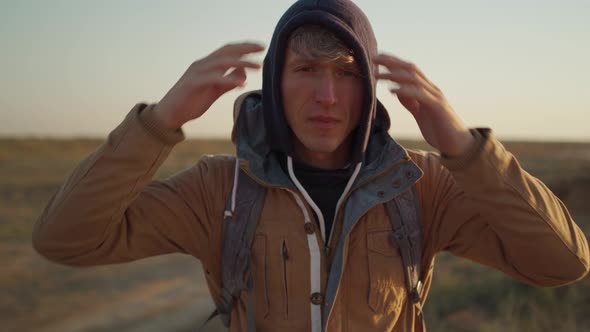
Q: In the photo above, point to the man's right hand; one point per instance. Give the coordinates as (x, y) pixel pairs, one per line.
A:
(204, 82)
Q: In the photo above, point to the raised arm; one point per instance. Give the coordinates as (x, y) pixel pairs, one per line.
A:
(478, 202)
(483, 206)
(109, 210)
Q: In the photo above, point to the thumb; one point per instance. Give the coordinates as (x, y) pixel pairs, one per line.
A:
(236, 78)
(238, 75)
(411, 104)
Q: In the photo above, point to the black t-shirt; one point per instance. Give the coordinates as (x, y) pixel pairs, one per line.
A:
(323, 186)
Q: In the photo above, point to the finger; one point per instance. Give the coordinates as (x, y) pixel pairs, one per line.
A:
(239, 49)
(412, 91)
(226, 83)
(399, 76)
(226, 63)
(238, 75)
(410, 104)
(219, 67)
(392, 63)
(214, 80)
(389, 60)
(404, 76)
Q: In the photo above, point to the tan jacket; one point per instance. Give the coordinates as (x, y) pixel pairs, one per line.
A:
(481, 206)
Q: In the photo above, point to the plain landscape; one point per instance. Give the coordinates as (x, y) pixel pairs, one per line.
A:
(168, 293)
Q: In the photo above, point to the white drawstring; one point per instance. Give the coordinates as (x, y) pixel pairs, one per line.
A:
(346, 190)
(234, 190)
(312, 203)
(307, 197)
(314, 268)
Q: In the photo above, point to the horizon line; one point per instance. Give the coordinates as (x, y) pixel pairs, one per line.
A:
(417, 138)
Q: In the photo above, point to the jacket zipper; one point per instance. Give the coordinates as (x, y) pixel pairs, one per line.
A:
(285, 254)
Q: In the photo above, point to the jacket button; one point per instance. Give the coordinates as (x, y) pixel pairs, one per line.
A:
(309, 228)
(409, 174)
(317, 298)
(381, 194)
(396, 184)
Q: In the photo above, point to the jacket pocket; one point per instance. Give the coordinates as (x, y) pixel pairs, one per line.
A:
(260, 275)
(285, 271)
(386, 274)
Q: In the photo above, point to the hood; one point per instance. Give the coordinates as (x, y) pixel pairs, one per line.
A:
(252, 148)
(351, 25)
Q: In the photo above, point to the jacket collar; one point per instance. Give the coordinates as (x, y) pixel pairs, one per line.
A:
(250, 139)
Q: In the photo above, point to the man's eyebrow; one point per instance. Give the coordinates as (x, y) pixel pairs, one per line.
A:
(303, 60)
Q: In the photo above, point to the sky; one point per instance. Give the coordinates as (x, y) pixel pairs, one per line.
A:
(75, 68)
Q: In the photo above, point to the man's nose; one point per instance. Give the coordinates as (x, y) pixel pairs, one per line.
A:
(325, 93)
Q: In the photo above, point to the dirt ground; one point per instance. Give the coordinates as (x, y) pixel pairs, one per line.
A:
(168, 293)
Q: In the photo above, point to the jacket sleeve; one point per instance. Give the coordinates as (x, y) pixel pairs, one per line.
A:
(483, 206)
(110, 211)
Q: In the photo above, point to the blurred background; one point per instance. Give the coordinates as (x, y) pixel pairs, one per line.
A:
(71, 70)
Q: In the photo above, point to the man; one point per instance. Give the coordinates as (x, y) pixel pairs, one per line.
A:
(316, 138)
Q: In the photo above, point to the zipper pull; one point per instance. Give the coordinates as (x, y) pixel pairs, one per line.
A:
(285, 251)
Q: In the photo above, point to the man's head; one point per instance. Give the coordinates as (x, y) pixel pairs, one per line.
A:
(321, 89)
(336, 35)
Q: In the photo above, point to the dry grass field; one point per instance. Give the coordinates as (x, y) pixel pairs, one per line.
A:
(168, 293)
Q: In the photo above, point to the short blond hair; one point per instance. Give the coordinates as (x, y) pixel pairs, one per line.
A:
(315, 41)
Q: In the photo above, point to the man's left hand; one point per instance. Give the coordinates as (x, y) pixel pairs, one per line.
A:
(441, 127)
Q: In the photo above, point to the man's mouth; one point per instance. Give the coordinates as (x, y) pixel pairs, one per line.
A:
(323, 121)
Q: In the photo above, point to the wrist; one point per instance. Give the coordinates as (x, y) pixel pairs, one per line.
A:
(464, 142)
(147, 117)
(480, 136)
(164, 120)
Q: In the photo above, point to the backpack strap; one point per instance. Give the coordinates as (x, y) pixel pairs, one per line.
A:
(242, 211)
(404, 215)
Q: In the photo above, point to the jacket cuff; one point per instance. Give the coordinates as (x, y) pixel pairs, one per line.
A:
(151, 124)
(457, 163)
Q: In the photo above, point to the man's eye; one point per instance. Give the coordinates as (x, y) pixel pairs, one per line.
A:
(348, 73)
(305, 69)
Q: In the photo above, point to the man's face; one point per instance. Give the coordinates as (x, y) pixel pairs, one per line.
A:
(322, 101)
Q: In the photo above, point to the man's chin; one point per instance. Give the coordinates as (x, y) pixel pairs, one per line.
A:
(321, 145)
(322, 148)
